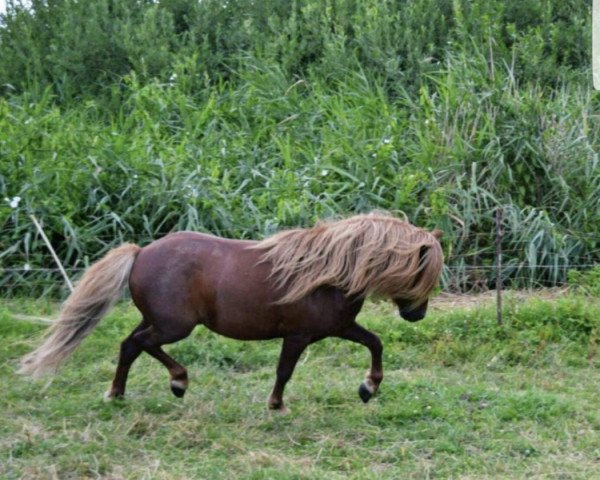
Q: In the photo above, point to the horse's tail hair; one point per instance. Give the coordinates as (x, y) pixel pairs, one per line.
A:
(94, 295)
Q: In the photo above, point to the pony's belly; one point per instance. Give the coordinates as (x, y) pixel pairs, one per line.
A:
(243, 334)
(320, 314)
(244, 324)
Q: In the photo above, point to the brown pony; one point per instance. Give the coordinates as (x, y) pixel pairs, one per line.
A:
(300, 285)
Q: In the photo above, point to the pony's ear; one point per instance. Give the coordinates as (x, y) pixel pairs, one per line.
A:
(437, 234)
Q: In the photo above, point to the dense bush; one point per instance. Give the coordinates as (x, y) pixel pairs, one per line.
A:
(127, 120)
(81, 48)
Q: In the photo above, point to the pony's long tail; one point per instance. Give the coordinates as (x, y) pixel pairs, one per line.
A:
(94, 295)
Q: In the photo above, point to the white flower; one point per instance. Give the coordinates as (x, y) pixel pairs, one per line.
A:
(26, 267)
(14, 203)
(324, 173)
(191, 191)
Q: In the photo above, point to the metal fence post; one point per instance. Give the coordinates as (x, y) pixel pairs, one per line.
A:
(499, 233)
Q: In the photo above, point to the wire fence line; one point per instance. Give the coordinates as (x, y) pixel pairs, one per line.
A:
(492, 257)
(16, 281)
(455, 238)
(446, 267)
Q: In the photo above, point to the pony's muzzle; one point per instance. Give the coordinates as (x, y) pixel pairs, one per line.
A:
(410, 313)
(413, 315)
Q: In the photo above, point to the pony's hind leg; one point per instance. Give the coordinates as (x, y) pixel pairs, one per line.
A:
(130, 350)
(358, 334)
(151, 339)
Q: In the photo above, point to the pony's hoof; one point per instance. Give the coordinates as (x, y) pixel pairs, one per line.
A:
(365, 392)
(110, 396)
(278, 406)
(283, 410)
(178, 388)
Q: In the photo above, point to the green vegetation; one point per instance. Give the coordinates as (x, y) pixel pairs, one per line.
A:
(122, 121)
(461, 399)
(587, 282)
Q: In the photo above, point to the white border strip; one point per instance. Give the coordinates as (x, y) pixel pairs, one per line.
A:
(596, 44)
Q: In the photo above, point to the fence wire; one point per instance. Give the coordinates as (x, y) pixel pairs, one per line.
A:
(471, 263)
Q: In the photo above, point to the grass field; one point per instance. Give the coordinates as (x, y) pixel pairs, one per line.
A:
(461, 398)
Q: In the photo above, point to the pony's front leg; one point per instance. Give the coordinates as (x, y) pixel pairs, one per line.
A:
(291, 350)
(358, 334)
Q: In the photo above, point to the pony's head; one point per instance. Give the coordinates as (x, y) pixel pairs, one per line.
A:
(414, 310)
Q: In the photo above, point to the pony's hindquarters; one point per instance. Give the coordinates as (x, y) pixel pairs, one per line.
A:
(95, 294)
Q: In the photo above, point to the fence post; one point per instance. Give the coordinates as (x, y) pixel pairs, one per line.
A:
(52, 252)
(499, 233)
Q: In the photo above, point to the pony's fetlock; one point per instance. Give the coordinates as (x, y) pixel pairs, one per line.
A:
(178, 387)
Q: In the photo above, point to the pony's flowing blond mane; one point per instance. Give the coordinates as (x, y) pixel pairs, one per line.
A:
(366, 254)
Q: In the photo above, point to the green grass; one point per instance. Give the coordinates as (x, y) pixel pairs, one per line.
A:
(461, 399)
